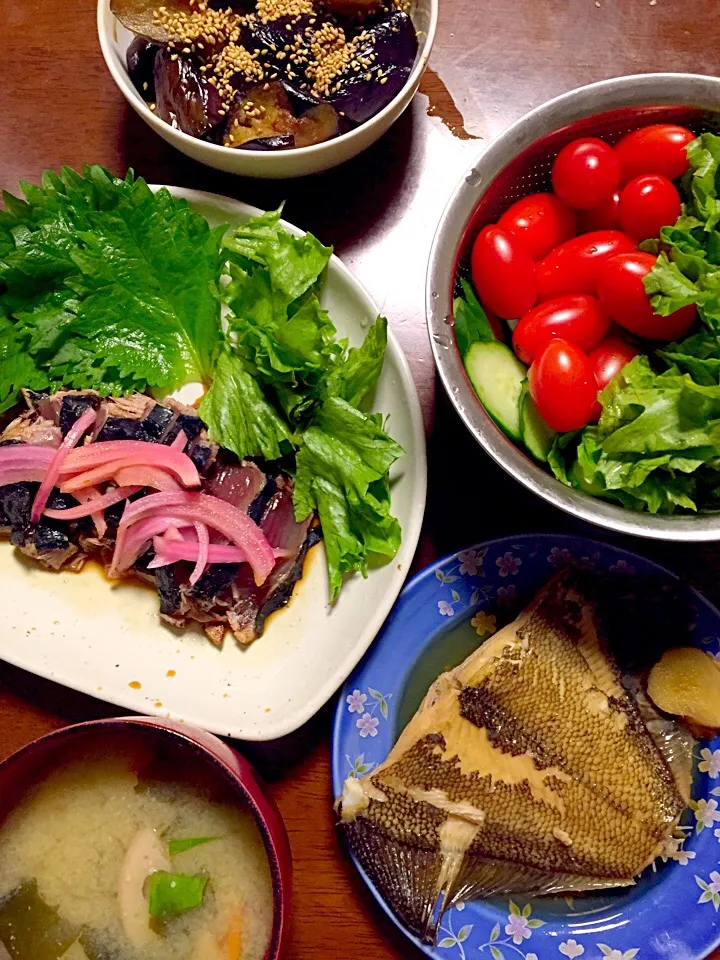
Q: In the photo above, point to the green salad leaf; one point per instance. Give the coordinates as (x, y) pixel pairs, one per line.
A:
(471, 322)
(107, 285)
(342, 472)
(180, 846)
(173, 893)
(238, 414)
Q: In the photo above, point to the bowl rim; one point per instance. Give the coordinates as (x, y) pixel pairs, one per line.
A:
(212, 749)
(653, 89)
(106, 19)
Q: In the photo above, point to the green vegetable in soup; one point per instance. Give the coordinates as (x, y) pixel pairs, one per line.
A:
(180, 846)
(31, 929)
(173, 893)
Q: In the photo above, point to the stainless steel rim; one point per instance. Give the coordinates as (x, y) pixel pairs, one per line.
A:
(655, 89)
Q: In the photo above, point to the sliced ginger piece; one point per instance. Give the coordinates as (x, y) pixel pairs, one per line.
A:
(685, 682)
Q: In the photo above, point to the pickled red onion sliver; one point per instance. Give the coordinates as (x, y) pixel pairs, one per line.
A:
(170, 551)
(72, 437)
(22, 474)
(203, 543)
(93, 504)
(132, 542)
(107, 471)
(92, 493)
(144, 477)
(217, 514)
(132, 453)
(180, 441)
(15, 453)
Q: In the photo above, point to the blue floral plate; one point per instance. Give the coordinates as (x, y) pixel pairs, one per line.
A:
(672, 912)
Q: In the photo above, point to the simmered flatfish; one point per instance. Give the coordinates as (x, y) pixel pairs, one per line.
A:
(527, 769)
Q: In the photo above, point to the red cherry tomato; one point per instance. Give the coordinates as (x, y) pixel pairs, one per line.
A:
(562, 385)
(607, 361)
(585, 173)
(647, 204)
(540, 222)
(577, 318)
(605, 216)
(622, 293)
(573, 266)
(503, 273)
(659, 148)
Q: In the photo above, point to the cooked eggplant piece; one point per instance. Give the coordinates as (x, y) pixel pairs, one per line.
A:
(139, 16)
(184, 98)
(392, 45)
(266, 114)
(140, 59)
(320, 123)
(353, 8)
(270, 143)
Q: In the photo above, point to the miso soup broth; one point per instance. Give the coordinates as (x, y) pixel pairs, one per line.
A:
(101, 863)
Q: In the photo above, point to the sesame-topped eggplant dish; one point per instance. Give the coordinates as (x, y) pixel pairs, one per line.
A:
(138, 486)
(112, 298)
(268, 74)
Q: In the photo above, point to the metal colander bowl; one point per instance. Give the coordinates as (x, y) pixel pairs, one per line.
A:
(515, 164)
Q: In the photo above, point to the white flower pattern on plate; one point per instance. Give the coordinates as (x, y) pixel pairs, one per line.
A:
(445, 609)
(508, 564)
(571, 949)
(622, 566)
(356, 701)
(559, 557)
(367, 725)
(611, 954)
(710, 763)
(710, 890)
(471, 563)
(706, 812)
(518, 929)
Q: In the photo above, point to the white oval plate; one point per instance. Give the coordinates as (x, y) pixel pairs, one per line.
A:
(106, 639)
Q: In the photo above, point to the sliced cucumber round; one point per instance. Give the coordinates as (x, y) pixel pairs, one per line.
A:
(534, 432)
(497, 377)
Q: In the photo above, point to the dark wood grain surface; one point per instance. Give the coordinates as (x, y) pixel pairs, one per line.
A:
(493, 60)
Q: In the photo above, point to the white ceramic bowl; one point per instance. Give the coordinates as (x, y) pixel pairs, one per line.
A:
(280, 164)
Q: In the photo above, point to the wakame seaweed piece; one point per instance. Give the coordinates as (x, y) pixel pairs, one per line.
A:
(184, 98)
(31, 928)
(140, 59)
(393, 45)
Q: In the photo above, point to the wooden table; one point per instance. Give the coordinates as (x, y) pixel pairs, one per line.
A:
(493, 60)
